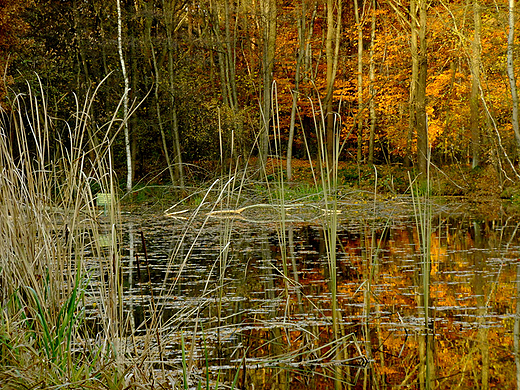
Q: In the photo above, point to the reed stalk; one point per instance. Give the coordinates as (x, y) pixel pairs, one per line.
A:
(423, 216)
(50, 241)
(329, 182)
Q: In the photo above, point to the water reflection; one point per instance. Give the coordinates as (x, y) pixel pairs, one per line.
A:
(240, 310)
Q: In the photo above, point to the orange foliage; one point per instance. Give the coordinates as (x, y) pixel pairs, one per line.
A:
(449, 37)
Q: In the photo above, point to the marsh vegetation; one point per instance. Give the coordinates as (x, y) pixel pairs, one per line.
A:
(245, 283)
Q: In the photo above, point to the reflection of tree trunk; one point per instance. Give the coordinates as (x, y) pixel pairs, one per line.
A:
(480, 293)
(367, 280)
(475, 83)
(419, 301)
(294, 267)
(421, 342)
(378, 309)
(131, 276)
(426, 347)
(516, 329)
(426, 341)
(425, 337)
(278, 346)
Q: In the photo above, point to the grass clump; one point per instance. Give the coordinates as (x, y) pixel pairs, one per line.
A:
(49, 251)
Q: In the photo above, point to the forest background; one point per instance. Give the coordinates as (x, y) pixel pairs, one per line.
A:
(401, 82)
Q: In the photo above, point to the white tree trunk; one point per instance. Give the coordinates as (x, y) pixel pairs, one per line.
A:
(125, 100)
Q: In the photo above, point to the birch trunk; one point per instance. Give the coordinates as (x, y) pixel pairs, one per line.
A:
(125, 99)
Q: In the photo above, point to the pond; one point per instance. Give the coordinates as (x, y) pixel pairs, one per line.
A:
(231, 298)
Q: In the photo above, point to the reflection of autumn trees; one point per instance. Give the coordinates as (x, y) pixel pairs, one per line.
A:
(472, 282)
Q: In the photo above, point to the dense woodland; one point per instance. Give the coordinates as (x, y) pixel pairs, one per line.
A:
(212, 79)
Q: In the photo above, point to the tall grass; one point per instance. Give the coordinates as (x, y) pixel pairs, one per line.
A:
(61, 273)
(49, 249)
(423, 215)
(61, 265)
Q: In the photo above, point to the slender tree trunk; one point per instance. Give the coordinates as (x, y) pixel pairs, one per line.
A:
(148, 27)
(125, 99)
(220, 52)
(231, 55)
(359, 83)
(177, 146)
(299, 62)
(134, 35)
(225, 15)
(268, 11)
(230, 58)
(80, 53)
(516, 328)
(511, 71)
(422, 125)
(332, 57)
(309, 73)
(372, 77)
(179, 172)
(225, 47)
(475, 84)
(412, 123)
(85, 85)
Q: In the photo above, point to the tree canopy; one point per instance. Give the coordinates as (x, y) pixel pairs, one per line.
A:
(197, 70)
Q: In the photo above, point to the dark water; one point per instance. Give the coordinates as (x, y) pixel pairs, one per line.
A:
(255, 299)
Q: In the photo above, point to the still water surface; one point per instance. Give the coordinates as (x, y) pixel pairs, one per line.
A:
(255, 299)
